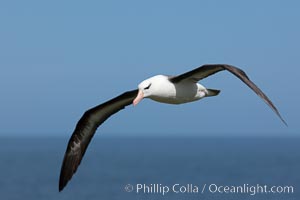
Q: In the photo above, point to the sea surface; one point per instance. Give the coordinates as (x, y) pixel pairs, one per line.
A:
(145, 168)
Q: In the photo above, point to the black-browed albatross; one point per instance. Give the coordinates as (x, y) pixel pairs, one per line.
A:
(166, 89)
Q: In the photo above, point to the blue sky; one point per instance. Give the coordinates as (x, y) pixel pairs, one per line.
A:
(59, 58)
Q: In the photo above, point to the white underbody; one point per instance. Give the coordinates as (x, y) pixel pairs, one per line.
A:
(162, 90)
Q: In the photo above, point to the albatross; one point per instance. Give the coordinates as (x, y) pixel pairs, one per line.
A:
(179, 89)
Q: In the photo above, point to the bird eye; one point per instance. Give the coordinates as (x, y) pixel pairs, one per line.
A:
(146, 88)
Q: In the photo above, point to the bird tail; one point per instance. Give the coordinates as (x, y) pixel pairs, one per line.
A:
(212, 92)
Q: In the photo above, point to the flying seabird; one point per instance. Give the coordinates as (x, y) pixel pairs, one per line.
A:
(179, 89)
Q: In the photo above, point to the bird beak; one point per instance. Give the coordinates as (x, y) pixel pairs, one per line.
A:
(138, 98)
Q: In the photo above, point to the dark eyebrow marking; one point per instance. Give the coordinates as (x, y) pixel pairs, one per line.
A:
(146, 88)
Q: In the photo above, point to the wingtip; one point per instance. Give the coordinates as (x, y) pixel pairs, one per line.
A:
(63, 178)
(281, 118)
(61, 186)
(285, 123)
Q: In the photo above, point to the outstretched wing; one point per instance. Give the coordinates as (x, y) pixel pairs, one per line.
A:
(85, 130)
(207, 70)
(199, 73)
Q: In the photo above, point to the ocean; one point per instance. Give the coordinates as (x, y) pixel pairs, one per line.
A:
(153, 168)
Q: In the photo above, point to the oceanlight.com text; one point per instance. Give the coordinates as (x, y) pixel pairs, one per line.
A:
(249, 189)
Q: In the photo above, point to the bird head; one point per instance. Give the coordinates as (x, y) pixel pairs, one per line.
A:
(144, 91)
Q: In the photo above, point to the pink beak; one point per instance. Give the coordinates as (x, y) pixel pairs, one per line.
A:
(138, 98)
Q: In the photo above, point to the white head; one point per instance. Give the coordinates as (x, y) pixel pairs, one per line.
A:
(146, 88)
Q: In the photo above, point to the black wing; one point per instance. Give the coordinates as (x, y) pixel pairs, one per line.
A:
(85, 130)
(207, 70)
